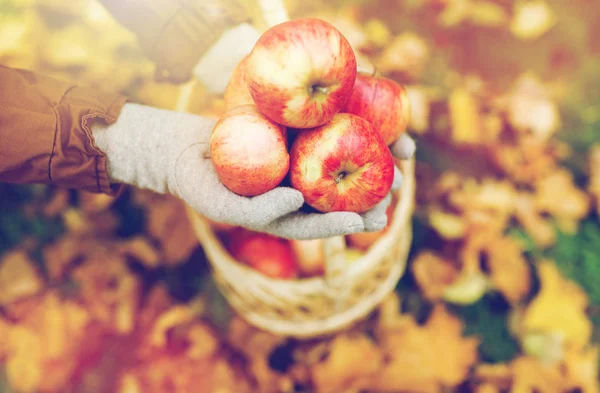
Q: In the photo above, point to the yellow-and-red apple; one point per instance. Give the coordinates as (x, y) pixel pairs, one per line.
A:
(236, 92)
(343, 165)
(310, 256)
(301, 72)
(270, 255)
(249, 151)
(383, 102)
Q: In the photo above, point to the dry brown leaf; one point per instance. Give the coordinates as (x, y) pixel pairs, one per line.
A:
(390, 316)
(4, 328)
(498, 375)
(351, 364)
(525, 159)
(175, 316)
(169, 224)
(557, 195)
(60, 255)
(594, 172)
(203, 342)
(407, 54)
(109, 290)
(531, 375)
(509, 271)
(539, 229)
(428, 358)
(57, 203)
(93, 202)
(433, 274)
(142, 250)
(581, 370)
(177, 373)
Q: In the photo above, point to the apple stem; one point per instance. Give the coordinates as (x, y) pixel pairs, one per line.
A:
(316, 88)
(206, 154)
(339, 177)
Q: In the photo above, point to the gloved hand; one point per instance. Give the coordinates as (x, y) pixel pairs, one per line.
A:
(166, 151)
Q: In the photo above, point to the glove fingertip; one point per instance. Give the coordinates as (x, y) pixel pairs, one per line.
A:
(404, 148)
(398, 179)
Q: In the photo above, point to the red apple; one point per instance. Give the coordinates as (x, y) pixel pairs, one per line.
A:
(300, 73)
(382, 102)
(310, 256)
(236, 92)
(343, 165)
(249, 151)
(270, 255)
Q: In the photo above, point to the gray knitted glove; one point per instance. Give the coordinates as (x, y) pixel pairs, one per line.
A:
(165, 151)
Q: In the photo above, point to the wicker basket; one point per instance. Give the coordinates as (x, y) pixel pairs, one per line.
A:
(312, 307)
(316, 306)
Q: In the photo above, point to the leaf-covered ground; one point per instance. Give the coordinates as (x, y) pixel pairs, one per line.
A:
(502, 290)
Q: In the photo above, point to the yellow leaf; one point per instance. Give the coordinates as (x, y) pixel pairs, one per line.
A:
(455, 12)
(377, 32)
(4, 328)
(449, 226)
(24, 362)
(468, 288)
(129, 384)
(69, 47)
(18, 277)
(532, 19)
(559, 307)
(487, 13)
(54, 328)
(465, 118)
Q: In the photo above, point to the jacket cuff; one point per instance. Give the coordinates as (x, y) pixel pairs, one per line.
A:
(75, 161)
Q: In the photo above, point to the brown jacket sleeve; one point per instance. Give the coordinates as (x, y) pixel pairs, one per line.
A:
(45, 132)
(175, 33)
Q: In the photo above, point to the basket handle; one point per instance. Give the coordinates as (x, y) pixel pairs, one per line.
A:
(273, 12)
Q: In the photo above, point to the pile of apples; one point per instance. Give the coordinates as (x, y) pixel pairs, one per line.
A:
(298, 112)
